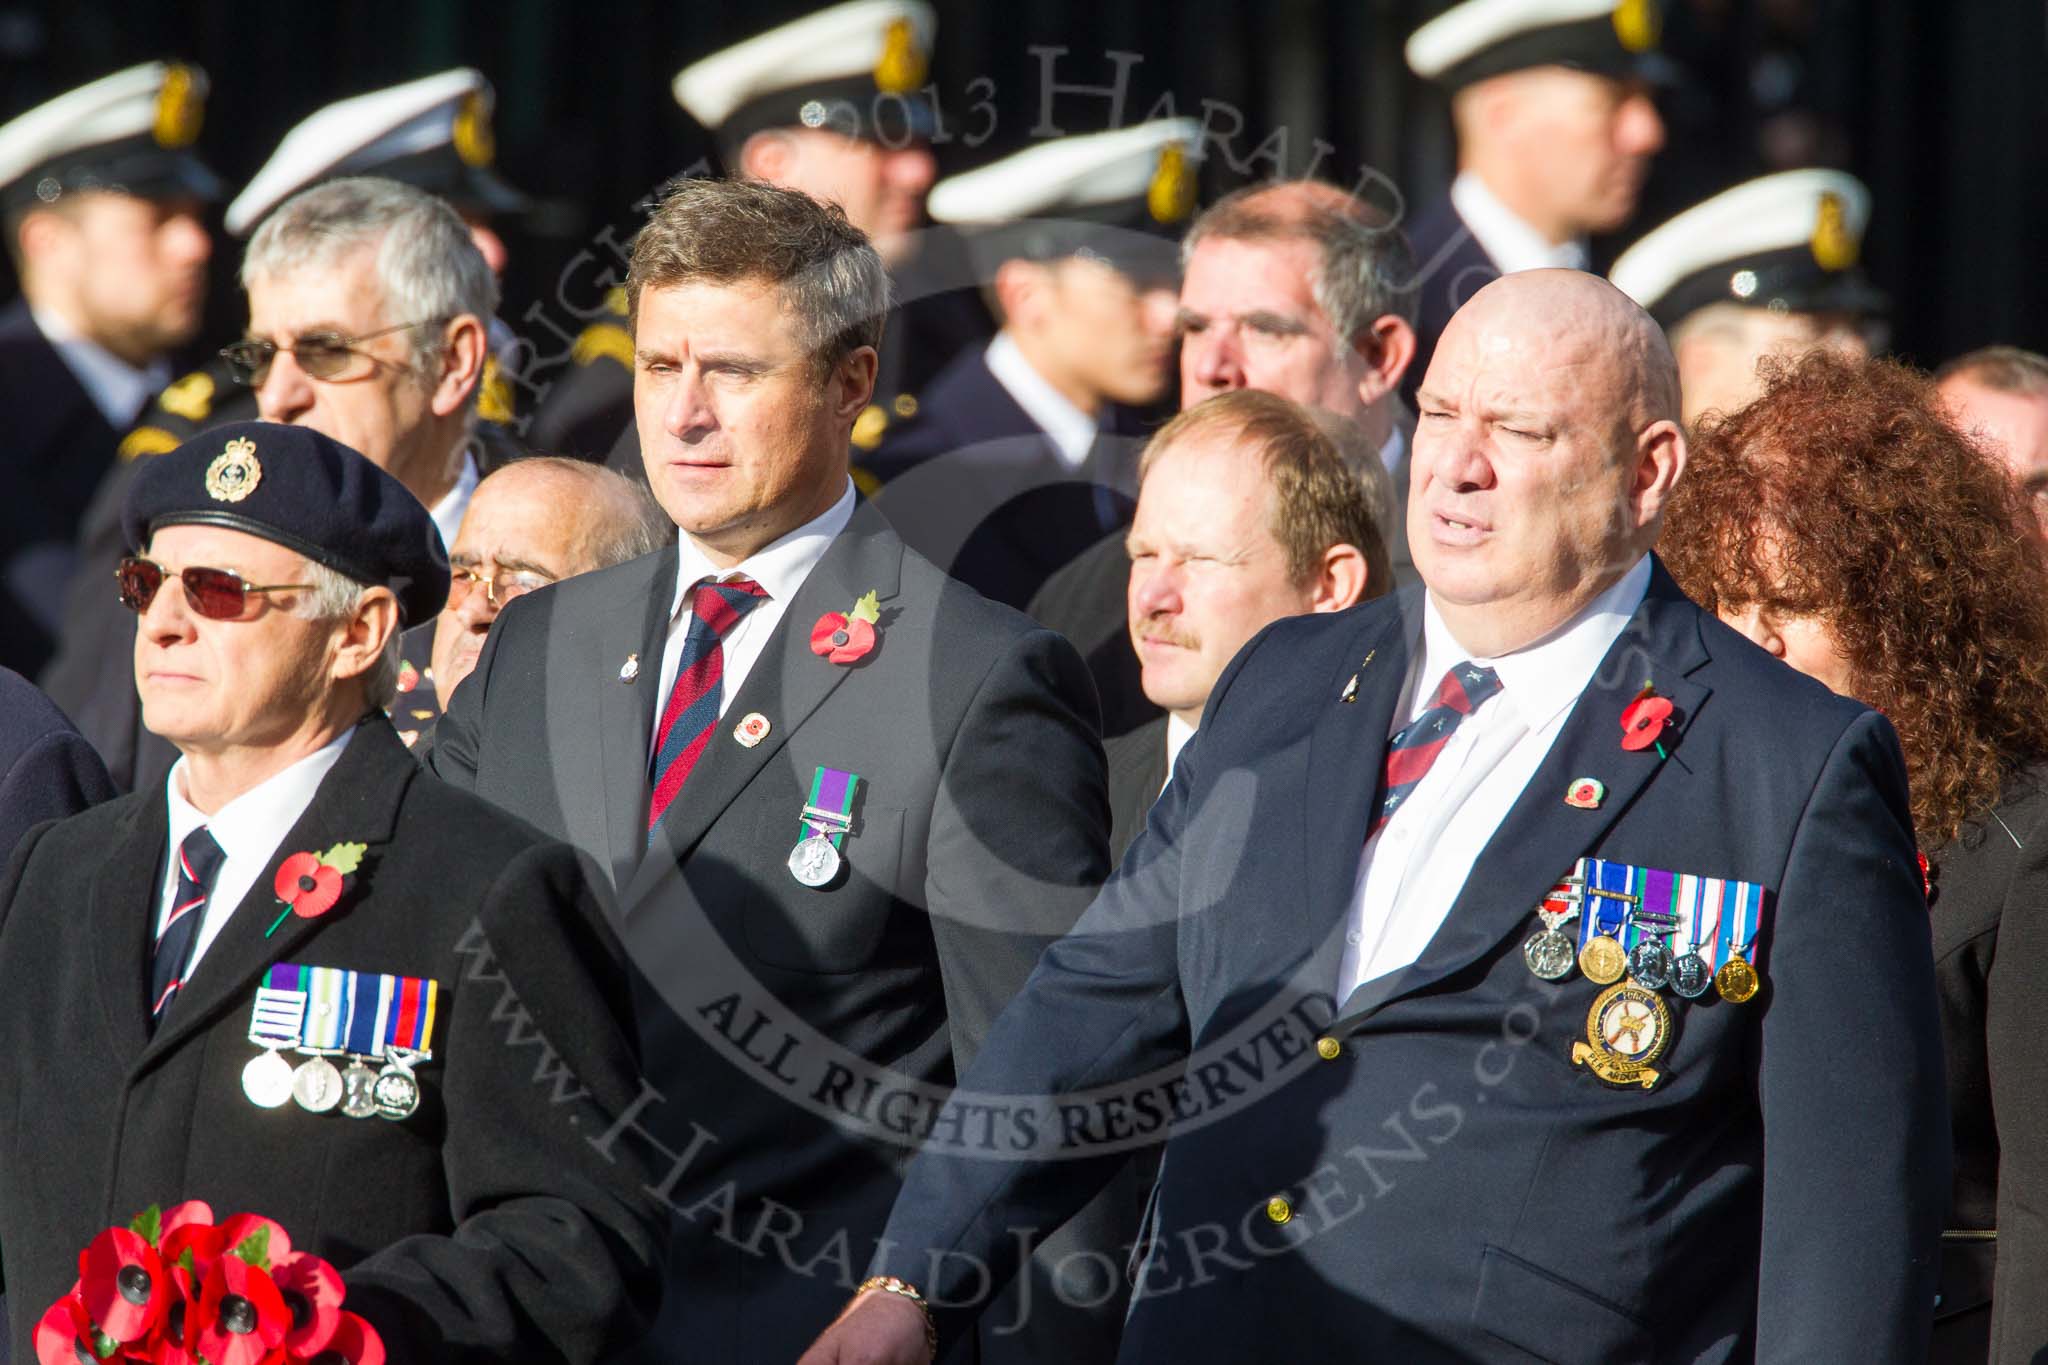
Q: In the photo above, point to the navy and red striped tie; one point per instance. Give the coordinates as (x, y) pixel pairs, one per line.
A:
(1414, 748)
(199, 862)
(692, 710)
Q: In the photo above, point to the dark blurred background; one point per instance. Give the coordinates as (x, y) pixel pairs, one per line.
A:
(1938, 105)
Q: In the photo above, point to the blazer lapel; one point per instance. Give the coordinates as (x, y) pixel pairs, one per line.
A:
(786, 684)
(121, 920)
(357, 802)
(1542, 837)
(1344, 761)
(636, 624)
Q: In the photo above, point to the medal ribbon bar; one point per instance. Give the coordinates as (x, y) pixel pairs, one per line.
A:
(829, 812)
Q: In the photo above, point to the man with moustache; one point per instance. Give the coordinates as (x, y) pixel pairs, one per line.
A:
(101, 200)
(1297, 289)
(827, 786)
(1418, 810)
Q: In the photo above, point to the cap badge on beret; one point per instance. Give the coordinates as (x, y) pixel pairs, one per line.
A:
(901, 67)
(1171, 195)
(179, 109)
(1834, 246)
(1638, 24)
(474, 142)
(234, 473)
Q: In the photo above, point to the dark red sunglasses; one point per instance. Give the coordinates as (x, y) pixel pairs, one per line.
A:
(218, 594)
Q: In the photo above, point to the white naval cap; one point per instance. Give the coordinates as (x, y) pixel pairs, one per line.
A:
(1113, 195)
(1481, 38)
(131, 132)
(434, 132)
(1791, 240)
(855, 68)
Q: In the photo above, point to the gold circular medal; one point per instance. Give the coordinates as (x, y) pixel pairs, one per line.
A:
(1602, 960)
(1627, 1029)
(1736, 981)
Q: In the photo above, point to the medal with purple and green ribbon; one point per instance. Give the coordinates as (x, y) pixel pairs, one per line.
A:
(828, 814)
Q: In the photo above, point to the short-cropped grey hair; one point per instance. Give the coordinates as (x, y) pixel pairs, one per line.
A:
(429, 267)
(1365, 269)
(728, 231)
(335, 595)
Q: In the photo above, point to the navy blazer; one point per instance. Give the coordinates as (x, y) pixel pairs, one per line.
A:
(1428, 1177)
(47, 770)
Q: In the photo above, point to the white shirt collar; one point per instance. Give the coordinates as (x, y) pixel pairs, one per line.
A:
(1071, 430)
(1509, 242)
(780, 566)
(1542, 679)
(1178, 733)
(254, 823)
(116, 388)
(447, 513)
(1395, 449)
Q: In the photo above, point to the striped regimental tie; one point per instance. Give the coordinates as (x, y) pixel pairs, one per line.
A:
(1411, 751)
(199, 862)
(692, 710)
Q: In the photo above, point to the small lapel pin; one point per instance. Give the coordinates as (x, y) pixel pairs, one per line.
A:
(1350, 689)
(1586, 793)
(630, 669)
(752, 729)
(1368, 658)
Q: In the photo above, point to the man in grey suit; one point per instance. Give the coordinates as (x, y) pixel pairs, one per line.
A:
(842, 801)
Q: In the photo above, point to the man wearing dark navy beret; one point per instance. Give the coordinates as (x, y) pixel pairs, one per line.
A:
(178, 1032)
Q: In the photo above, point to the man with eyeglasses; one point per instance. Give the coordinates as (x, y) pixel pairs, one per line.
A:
(368, 303)
(178, 1032)
(534, 522)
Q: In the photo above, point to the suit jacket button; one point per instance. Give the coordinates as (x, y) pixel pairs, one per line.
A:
(1329, 1049)
(1278, 1209)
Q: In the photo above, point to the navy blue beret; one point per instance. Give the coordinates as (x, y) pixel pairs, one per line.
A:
(304, 491)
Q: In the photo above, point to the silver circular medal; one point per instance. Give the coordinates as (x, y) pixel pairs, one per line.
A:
(1649, 963)
(1549, 954)
(316, 1085)
(267, 1080)
(814, 861)
(396, 1093)
(1691, 976)
(358, 1090)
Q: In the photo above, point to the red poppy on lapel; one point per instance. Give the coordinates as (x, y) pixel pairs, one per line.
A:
(308, 884)
(846, 637)
(1643, 721)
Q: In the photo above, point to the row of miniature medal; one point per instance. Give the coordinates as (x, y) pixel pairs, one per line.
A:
(387, 1019)
(1711, 917)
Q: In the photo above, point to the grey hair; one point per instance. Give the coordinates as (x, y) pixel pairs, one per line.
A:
(726, 231)
(1364, 270)
(2002, 369)
(335, 597)
(426, 262)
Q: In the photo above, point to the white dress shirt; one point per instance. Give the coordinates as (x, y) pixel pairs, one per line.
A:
(447, 511)
(1509, 242)
(248, 830)
(1412, 871)
(116, 388)
(1071, 430)
(1178, 733)
(780, 567)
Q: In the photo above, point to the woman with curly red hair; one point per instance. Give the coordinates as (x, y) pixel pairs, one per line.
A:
(1840, 523)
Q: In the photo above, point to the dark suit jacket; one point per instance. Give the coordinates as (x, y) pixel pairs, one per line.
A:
(57, 446)
(1452, 267)
(786, 1028)
(1454, 1187)
(1990, 917)
(486, 1227)
(1087, 602)
(47, 771)
(975, 486)
(1137, 772)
